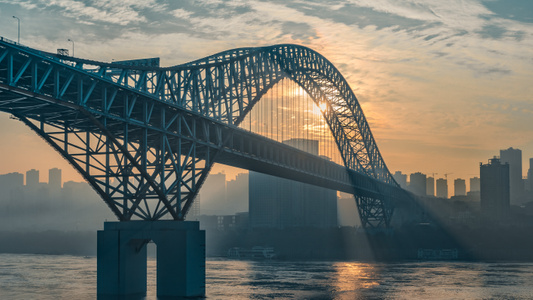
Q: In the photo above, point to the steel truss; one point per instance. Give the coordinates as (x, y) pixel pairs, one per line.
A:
(145, 138)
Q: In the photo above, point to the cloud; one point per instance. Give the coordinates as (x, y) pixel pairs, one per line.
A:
(460, 14)
(492, 31)
(181, 13)
(298, 31)
(423, 70)
(98, 11)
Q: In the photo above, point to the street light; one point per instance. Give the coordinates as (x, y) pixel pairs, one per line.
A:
(72, 46)
(18, 41)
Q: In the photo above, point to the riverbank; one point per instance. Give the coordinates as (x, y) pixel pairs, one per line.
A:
(345, 243)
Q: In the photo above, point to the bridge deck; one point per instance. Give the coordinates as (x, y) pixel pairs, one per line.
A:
(163, 150)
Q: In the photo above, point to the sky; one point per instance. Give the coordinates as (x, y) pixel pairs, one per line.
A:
(444, 84)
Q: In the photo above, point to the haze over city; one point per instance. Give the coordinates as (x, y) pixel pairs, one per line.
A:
(417, 189)
(444, 85)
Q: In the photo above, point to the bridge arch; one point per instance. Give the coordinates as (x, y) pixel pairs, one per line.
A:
(264, 67)
(159, 130)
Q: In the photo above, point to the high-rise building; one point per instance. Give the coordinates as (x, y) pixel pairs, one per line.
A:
(54, 178)
(195, 211)
(459, 186)
(430, 186)
(32, 178)
(514, 158)
(528, 183)
(417, 183)
(401, 179)
(11, 181)
(280, 203)
(530, 175)
(237, 194)
(495, 188)
(474, 184)
(213, 195)
(442, 188)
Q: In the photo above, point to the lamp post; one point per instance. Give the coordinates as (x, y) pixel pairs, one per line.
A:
(18, 40)
(72, 46)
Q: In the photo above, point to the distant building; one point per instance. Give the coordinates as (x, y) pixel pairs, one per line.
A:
(220, 197)
(265, 203)
(417, 183)
(11, 187)
(529, 182)
(401, 179)
(213, 195)
(54, 178)
(280, 203)
(11, 181)
(74, 187)
(224, 222)
(208, 222)
(241, 220)
(195, 211)
(514, 158)
(237, 194)
(495, 188)
(473, 196)
(430, 186)
(474, 184)
(32, 178)
(530, 175)
(459, 187)
(442, 188)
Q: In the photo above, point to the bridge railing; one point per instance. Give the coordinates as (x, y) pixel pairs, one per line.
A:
(3, 39)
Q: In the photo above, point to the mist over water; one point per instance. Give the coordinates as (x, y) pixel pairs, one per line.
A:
(24, 276)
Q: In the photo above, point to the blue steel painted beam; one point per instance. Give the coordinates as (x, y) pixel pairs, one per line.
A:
(130, 103)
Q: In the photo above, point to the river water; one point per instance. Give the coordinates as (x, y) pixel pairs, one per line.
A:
(72, 277)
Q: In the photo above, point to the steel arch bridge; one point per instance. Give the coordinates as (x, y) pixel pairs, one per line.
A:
(146, 137)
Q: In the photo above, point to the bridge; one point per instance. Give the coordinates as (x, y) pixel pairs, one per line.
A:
(145, 137)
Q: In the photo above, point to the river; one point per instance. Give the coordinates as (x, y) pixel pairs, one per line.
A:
(25, 276)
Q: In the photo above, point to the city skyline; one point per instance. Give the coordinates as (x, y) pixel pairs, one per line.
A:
(422, 119)
(404, 183)
(324, 104)
(234, 173)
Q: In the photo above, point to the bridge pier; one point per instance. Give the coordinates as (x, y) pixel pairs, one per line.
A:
(121, 258)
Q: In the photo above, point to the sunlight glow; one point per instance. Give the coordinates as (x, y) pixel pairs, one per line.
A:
(287, 112)
(355, 276)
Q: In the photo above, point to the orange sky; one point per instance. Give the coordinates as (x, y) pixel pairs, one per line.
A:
(444, 85)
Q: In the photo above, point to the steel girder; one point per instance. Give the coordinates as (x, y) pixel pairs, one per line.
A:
(375, 211)
(130, 110)
(225, 87)
(146, 160)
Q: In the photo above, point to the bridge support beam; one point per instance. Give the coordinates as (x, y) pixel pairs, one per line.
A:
(121, 258)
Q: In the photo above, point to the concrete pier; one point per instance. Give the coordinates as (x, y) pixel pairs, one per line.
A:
(121, 258)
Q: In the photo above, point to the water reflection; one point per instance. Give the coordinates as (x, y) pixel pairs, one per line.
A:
(68, 277)
(303, 280)
(353, 276)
